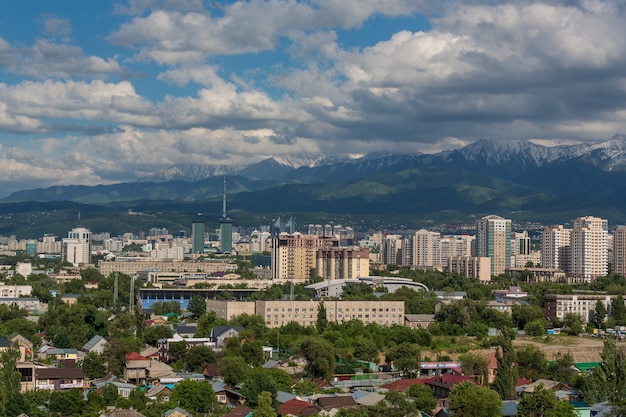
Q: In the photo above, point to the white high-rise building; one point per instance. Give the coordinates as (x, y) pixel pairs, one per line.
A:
(589, 248)
(76, 248)
(555, 248)
(424, 248)
(493, 240)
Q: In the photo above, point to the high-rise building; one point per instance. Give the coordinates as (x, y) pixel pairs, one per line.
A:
(342, 263)
(197, 236)
(619, 251)
(589, 248)
(425, 244)
(493, 240)
(294, 256)
(76, 248)
(555, 248)
(392, 250)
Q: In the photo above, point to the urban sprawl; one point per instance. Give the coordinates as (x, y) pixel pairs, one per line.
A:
(318, 320)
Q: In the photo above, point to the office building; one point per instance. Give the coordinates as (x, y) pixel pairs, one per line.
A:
(197, 236)
(76, 248)
(493, 240)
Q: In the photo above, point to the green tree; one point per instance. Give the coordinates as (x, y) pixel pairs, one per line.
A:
(322, 318)
(197, 306)
(543, 403)
(599, 313)
(608, 381)
(574, 323)
(404, 357)
(264, 407)
(365, 349)
(618, 309)
(470, 400)
(305, 387)
(93, 366)
(535, 328)
(252, 351)
(423, 398)
(233, 369)
(506, 373)
(395, 404)
(67, 403)
(153, 333)
(12, 401)
(531, 361)
(110, 394)
(258, 382)
(198, 357)
(319, 355)
(476, 365)
(177, 351)
(195, 397)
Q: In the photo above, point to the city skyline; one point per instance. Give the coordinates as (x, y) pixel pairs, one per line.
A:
(120, 89)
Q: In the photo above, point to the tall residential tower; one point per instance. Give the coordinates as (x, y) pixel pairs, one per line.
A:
(226, 227)
(493, 240)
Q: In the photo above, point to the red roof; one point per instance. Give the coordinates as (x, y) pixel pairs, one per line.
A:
(523, 381)
(403, 385)
(239, 411)
(134, 356)
(297, 407)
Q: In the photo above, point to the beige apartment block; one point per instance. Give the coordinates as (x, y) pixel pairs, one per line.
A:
(280, 313)
(471, 267)
(583, 305)
(230, 309)
(342, 263)
(619, 251)
(294, 256)
(132, 266)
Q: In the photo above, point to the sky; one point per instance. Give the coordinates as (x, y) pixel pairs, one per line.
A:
(109, 91)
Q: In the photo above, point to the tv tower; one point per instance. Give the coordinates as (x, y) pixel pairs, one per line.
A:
(226, 227)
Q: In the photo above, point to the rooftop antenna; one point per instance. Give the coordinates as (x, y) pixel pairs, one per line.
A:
(224, 200)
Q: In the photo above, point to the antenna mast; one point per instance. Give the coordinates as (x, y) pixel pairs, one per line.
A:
(224, 200)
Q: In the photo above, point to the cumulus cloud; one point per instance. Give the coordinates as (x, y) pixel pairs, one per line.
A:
(529, 69)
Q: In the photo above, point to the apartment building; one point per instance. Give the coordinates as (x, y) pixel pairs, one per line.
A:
(583, 305)
(493, 241)
(294, 256)
(471, 266)
(230, 309)
(431, 249)
(619, 251)
(342, 263)
(76, 248)
(280, 313)
(131, 266)
(589, 248)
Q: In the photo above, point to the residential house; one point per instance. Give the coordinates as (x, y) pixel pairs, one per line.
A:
(226, 395)
(164, 345)
(120, 412)
(416, 321)
(159, 392)
(239, 411)
(135, 368)
(219, 334)
(177, 412)
(24, 345)
(442, 385)
(54, 379)
(49, 352)
(331, 402)
(297, 407)
(186, 330)
(96, 344)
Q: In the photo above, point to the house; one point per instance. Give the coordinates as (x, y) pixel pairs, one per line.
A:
(186, 330)
(298, 407)
(442, 385)
(159, 392)
(416, 321)
(50, 352)
(239, 411)
(135, 368)
(547, 383)
(177, 412)
(212, 372)
(403, 385)
(328, 403)
(53, 379)
(367, 399)
(96, 344)
(226, 395)
(581, 408)
(219, 334)
(120, 412)
(24, 345)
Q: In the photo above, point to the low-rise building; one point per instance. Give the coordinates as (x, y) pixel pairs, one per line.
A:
(583, 305)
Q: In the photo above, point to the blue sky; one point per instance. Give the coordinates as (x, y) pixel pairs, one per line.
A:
(110, 91)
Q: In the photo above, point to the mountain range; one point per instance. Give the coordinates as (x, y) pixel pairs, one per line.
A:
(513, 178)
